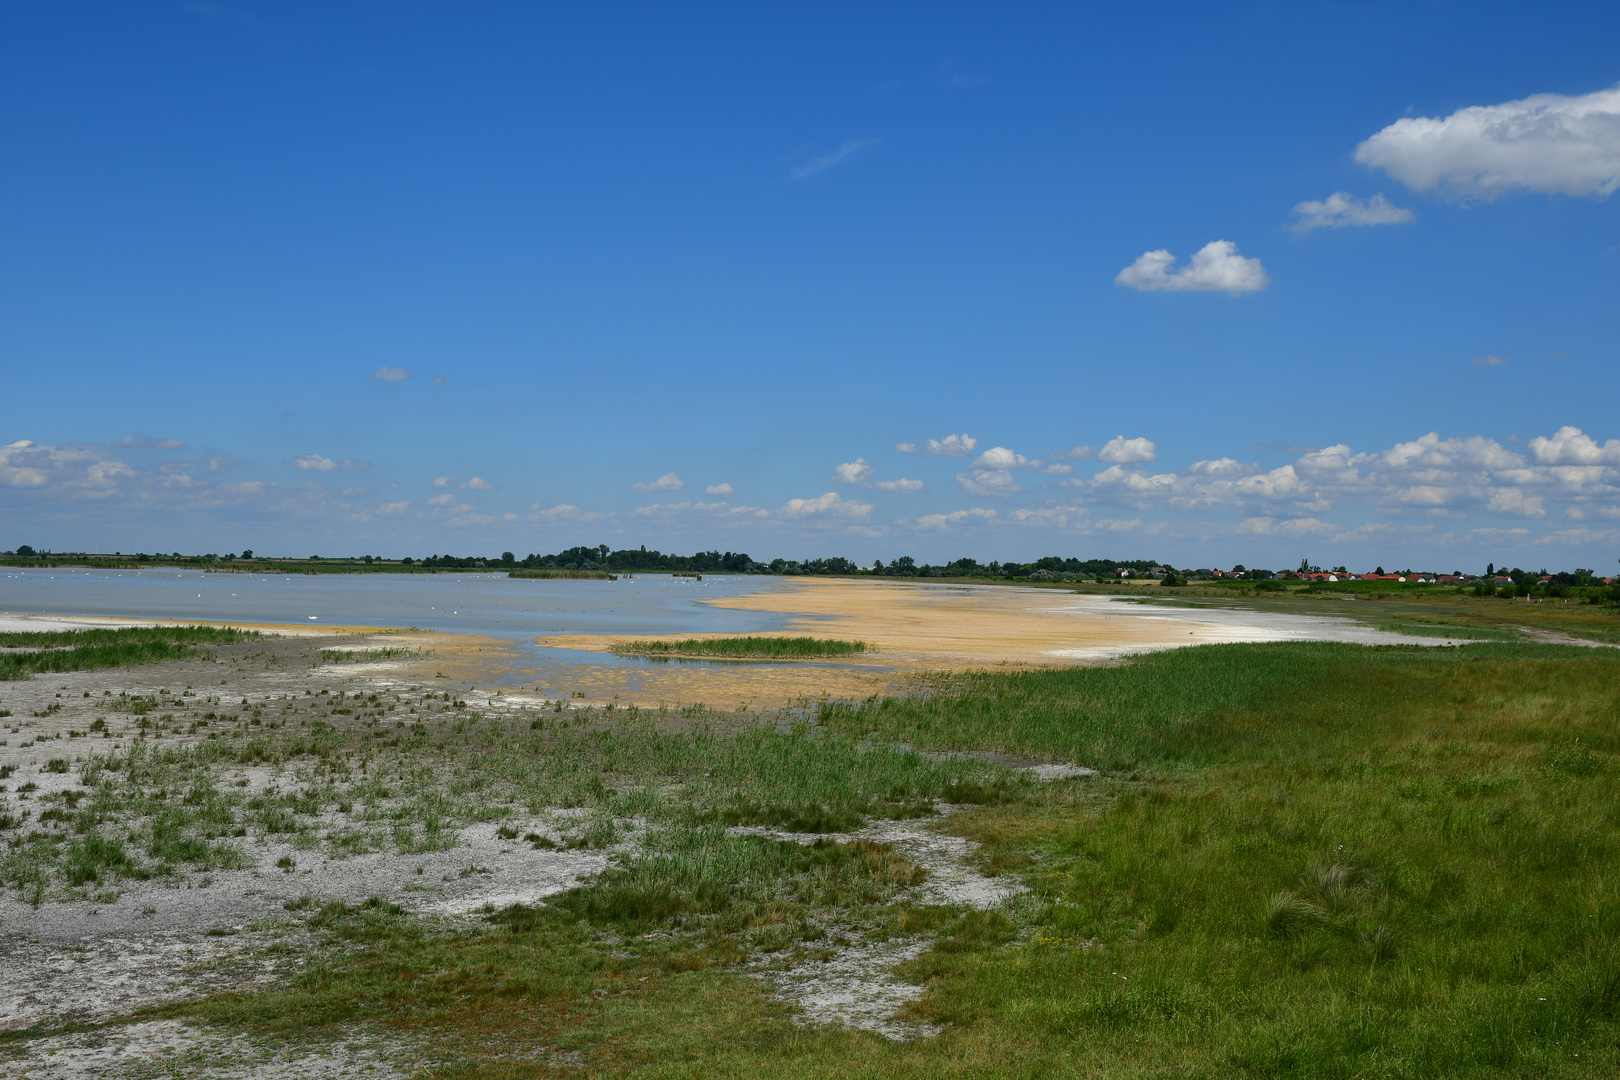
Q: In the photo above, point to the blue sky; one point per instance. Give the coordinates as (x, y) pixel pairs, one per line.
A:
(403, 279)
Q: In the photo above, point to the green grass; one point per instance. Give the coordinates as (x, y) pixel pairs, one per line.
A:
(745, 648)
(88, 650)
(1308, 860)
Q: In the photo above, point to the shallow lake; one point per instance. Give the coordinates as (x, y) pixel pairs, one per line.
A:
(491, 603)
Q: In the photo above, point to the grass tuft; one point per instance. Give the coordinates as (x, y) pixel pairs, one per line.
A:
(356, 656)
(745, 648)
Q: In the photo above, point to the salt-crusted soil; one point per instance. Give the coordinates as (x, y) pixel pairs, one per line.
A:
(170, 1048)
(854, 984)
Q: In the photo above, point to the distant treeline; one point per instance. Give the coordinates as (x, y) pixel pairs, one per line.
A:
(602, 561)
(632, 560)
(600, 558)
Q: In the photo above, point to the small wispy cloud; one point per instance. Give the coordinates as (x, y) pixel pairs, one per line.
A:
(976, 515)
(1121, 450)
(478, 483)
(859, 473)
(722, 491)
(950, 446)
(314, 463)
(827, 161)
(830, 503)
(142, 441)
(390, 374)
(1489, 360)
(667, 482)
(1340, 209)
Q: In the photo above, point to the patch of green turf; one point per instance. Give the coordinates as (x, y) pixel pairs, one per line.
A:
(1199, 707)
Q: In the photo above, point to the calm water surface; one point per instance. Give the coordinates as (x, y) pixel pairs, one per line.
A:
(490, 604)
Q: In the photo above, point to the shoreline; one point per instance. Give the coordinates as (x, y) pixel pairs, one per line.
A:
(912, 628)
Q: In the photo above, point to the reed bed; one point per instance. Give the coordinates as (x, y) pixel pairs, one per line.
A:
(359, 656)
(745, 648)
(87, 650)
(553, 572)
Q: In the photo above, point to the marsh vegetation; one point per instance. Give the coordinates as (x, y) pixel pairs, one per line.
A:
(555, 572)
(28, 653)
(1300, 860)
(745, 648)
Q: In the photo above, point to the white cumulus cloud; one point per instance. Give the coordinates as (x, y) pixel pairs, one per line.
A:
(991, 473)
(314, 463)
(444, 481)
(1550, 143)
(1340, 209)
(1222, 467)
(667, 482)
(478, 483)
(723, 491)
(1217, 267)
(910, 487)
(1572, 446)
(999, 457)
(953, 445)
(852, 472)
(1121, 450)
